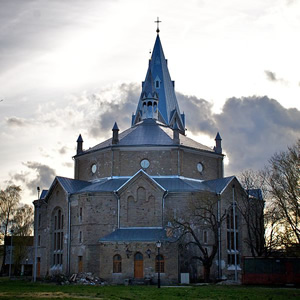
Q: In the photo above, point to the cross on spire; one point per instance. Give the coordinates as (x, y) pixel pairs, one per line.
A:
(157, 21)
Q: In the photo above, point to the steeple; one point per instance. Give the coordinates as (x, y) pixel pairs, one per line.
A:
(168, 109)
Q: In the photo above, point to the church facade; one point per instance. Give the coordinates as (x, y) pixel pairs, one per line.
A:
(128, 190)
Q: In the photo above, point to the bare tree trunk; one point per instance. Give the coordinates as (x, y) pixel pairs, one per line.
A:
(206, 269)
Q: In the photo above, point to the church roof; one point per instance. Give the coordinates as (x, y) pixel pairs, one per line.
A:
(136, 235)
(167, 105)
(169, 183)
(149, 133)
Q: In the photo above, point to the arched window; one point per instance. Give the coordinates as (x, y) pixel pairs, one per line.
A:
(160, 264)
(58, 237)
(117, 264)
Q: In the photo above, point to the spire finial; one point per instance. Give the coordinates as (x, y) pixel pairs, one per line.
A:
(157, 21)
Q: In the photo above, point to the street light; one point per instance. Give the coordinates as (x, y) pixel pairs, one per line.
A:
(36, 235)
(158, 245)
(11, 250)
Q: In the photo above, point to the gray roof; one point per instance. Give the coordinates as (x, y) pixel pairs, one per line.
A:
(136, 234)
(72, 185)
(149, 133)
(169, 183)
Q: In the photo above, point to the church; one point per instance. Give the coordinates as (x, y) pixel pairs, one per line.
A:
(115, 218)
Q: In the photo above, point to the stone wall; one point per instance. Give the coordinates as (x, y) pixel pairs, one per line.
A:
(125, 161)
(169, 252)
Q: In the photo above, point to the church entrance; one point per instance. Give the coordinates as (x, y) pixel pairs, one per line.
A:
(138, 265)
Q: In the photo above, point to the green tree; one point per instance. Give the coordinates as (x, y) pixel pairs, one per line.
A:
(9, 201)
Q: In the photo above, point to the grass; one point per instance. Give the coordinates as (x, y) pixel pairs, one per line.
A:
(11, 289)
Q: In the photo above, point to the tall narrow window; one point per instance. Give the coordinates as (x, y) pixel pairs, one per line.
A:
(160, 264)
(58, 237)
(117, 264)
(80, 236)
(80, 214)
(232, 237)
(39, 221)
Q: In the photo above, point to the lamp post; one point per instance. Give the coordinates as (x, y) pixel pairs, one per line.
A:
(36, 235)
(158, 245)
(11, 251)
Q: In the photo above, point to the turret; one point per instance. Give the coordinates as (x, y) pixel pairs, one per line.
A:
(176, 139)
(218, 147)
(115, 137)
(79, 144)
(149, 98)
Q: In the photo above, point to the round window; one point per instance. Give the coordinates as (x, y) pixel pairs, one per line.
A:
(94, 168)
(199, 167)
(145, 163)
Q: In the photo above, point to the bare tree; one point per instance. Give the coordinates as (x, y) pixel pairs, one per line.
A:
(251, 207)
(284, 184)
(203, 215)
(9, 201)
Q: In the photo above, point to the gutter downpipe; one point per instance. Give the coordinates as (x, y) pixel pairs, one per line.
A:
(118, 205)
(166, 193)
(234, 235)
(35, 240)
(219, 236)
(69, 232)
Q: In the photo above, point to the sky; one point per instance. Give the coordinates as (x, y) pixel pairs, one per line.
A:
(71, 67)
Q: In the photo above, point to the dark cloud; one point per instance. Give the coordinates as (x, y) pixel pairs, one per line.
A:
(197, 110)
(16, 122)
(43, 176)
(252, 128)
(118, 109)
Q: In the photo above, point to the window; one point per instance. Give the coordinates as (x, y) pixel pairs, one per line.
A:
(58, 237)
(80, 214)
(232, 236)
(80, 236)
(39, 220)
(159, 264)
(230, 259)
(117, 264)
(39, 240)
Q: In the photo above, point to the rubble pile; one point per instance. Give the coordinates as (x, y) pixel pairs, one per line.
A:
(77, 278)
(86, 279)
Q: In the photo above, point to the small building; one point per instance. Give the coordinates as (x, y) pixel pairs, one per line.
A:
(19, 254)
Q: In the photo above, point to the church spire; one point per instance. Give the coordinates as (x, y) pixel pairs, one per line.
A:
(168, 108)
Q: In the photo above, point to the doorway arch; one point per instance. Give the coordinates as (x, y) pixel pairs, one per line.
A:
(138, 265)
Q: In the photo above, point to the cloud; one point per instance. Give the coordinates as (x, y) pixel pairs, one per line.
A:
(41, 176)
(252, 128)
(63, 150)
(17, 122)
(271, 76)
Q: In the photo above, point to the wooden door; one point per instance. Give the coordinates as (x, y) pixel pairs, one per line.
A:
(138, 265)
(80, 264)
(38, 267)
